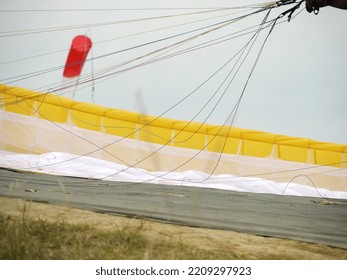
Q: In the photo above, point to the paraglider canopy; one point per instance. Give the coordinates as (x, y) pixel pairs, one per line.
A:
(79, 49)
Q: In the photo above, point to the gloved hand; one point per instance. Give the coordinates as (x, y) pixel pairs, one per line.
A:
(315, 4)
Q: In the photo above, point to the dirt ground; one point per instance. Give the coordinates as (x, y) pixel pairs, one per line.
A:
(255, 247)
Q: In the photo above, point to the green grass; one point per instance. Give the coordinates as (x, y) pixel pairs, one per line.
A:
(25, 239)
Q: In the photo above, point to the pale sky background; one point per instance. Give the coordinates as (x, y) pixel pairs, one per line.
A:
(298, 88)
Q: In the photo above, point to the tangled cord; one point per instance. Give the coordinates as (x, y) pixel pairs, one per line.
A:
(291, 11)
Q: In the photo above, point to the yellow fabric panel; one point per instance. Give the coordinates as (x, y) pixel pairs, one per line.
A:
(188, 126)
(330, 158)
(189, 140)
(295, 142)
(156, 121)
(293, 153)
(58, 101)
(163, 122)
(258, 136)
(122, 115)
(87, 116)
(257, 144)
(188, 135)
(89, 108)
(216, 144)
(26, 102)
(119, 127)
(256, 148)
(155, 130)
(54, 108)
(52, 112)
(86, 120)
(155, 134)
(223, 136)
(233, 132)
(193, 127)
(329, 147)
(18, 105)
(343, 163)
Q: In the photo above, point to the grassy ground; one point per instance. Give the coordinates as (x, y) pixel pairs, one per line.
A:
(30, 230)
(22, 238)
